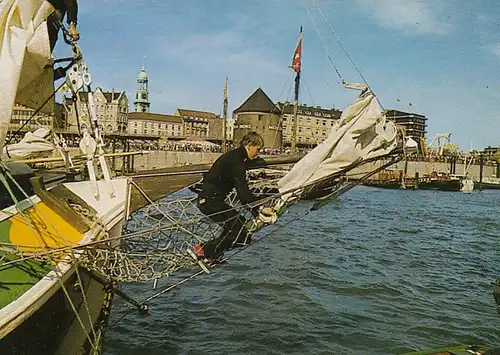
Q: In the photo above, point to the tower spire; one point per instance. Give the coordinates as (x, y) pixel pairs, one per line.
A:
(142, 94)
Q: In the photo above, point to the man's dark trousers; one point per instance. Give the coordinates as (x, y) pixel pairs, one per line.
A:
(234, 230)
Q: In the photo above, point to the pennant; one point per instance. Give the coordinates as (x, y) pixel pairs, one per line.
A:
(297, 56)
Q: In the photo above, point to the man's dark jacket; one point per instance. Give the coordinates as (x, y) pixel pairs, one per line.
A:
(228, 172)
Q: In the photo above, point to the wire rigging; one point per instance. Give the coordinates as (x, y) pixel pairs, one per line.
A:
(322, 41)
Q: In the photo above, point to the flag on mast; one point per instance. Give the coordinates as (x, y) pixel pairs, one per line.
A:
(297, 56)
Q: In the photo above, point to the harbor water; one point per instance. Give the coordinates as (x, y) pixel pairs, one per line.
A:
(374, 272)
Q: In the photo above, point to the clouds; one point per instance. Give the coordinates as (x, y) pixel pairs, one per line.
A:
(419, 17)
(494, 48)
(224, 49)
(443, 57)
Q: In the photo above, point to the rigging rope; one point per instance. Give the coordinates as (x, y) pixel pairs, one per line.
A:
(34, 113)
(322, 41)
(340, 43)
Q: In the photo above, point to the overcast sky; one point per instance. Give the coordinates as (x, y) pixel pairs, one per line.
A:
(436, 58)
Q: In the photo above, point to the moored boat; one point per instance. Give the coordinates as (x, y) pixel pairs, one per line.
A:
(457, 350)
(433, 181)
(47, 303)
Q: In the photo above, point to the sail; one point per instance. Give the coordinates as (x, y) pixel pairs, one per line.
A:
(34, 144)
(361, 133)
(24, 56)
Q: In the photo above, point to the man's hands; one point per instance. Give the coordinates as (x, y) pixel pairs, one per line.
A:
(267, 215)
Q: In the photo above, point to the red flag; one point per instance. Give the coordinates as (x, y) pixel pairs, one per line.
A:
(297, 56)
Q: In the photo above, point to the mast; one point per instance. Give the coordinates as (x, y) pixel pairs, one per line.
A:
(224, 118)
(296, 63)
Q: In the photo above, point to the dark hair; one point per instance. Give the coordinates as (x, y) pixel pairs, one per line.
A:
(252, 139)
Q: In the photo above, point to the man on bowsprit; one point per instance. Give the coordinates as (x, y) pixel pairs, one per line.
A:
(228, 172)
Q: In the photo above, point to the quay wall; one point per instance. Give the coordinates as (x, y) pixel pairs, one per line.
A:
(423, 167)
(151, 160)
(166, 159)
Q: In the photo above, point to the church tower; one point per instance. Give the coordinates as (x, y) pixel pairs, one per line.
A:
(142, 94)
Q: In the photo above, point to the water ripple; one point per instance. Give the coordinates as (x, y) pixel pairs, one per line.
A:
(375, 272)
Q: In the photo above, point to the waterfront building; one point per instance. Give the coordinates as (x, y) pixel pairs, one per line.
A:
(155, 124)
(60, 118)
(313, 126)
(111, 109)
(142, 103)
(414, 125)
(492, 152)
(21, 115)
(258, 113)
(197, 124)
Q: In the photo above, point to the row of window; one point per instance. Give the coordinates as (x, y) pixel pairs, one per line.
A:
(415, 127)
(159, 125)
(303, 120)
(304, 139)
(316, 113)
(109, 128)
(308, 129)
(199, 124)
(160, 133)
(193, 118)
(38, 121)
(24, 113)
(197, 132)
(407, 122)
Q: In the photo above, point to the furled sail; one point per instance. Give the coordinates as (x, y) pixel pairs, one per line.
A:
(25, 57)
(361, 133)
(34, 144)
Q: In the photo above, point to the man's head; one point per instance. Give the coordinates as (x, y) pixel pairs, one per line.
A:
(252, 142)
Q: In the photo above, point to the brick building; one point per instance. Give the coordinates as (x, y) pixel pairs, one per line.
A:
(155, 124)
(21, 116)
(111, 110)
(258, 113)
(313, 126)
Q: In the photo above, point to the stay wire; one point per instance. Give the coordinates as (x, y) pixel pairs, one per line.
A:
(35, 113)
(346, 53)
(308, 91)
(340, 43)
(322, 41)
(280, 121)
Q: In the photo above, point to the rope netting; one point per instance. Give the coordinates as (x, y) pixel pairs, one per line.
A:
(156, 238)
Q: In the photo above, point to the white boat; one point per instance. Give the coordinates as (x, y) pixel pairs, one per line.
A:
(47, 303)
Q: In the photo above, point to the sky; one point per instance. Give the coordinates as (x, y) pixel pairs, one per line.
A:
(436, 58)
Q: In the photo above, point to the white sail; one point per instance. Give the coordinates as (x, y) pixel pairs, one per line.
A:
(33, 145)
(361, 133)
(25, 57)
